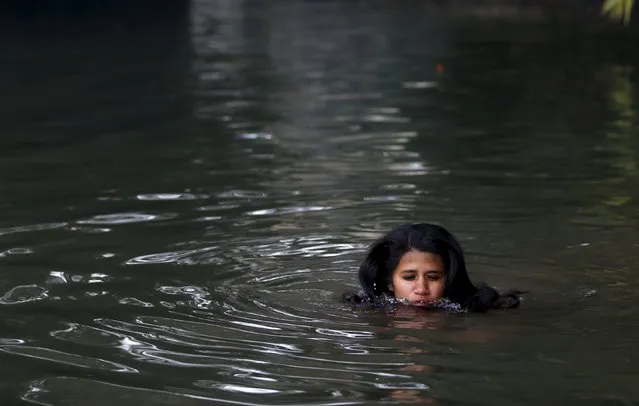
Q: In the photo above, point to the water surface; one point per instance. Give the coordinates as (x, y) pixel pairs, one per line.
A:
(186, 196)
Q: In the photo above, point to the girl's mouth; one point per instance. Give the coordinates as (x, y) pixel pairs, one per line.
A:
(422, 303)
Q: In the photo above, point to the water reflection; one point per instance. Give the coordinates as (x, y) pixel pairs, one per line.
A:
(184, 203)
(312, 80)
(75, 360)
(24, 294)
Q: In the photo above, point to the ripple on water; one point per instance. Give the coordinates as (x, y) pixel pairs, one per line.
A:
(67, 390)
(294, 347)
(246, 389)
(399, 186)
(324, 250)
(246, 251)
(11, 341)
(239, 193)
(255, 136)
(170, 196)
(374, 228)
(126, 218)
(411, 168)
(90, 230)
(87, 335)
(24, 294)
(216, 207)
(16, 251)
(287, 210)
(208, 218)
(385, 118)
(248, 346)
(132, 301)
(182, 257)
(33, 227)
(420, 85)
(306, 246)
(389, 198)
(60, 357)
(61, 277)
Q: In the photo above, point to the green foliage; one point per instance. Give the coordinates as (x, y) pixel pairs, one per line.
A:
(618, 9)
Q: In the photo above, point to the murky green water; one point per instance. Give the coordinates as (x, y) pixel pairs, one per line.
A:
(185, 196)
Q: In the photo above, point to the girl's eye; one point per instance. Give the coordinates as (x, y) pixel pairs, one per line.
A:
(409, 277)
(434, 277)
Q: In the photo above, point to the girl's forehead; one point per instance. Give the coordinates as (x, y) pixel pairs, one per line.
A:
(415, 256)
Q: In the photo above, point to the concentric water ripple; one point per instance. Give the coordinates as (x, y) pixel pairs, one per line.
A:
(181, 218)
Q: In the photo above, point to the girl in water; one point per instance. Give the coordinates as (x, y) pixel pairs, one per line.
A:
(423, 265)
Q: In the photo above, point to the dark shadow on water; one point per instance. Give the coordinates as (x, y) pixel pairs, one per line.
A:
(106, 64)
(90, 91)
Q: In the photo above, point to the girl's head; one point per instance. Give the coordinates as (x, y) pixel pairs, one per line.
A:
(418, 262)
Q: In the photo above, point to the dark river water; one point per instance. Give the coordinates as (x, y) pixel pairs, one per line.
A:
(187, 192)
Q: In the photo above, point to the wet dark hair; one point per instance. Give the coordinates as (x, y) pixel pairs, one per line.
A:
(376, 272)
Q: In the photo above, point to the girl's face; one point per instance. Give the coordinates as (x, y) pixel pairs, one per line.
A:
(419, 278)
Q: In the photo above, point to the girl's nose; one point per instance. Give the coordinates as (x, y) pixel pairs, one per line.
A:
(421, 286)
